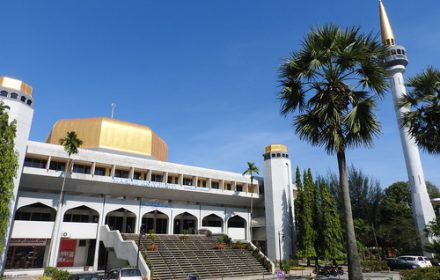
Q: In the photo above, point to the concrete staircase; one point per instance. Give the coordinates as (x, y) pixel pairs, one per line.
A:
(176, 258)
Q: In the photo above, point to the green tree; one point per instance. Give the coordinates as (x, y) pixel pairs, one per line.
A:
(433, 231)
(433, 190)
(251, 170)
(8, 170)
(397, 228)
(305, 232)
(332, 85)
(332, 247)
(70, 143)
(423, 115)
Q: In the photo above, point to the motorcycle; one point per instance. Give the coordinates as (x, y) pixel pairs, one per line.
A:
(328, 270)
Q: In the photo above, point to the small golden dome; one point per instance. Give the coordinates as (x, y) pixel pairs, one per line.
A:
(15, 84)
(111, 134)
(276, 148)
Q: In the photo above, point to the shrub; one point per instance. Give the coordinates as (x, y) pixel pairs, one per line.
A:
(373, 265)
(55, 273)
(286, 266)
(429, 273)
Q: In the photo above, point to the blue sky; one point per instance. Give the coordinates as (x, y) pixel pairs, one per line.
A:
(202, 74)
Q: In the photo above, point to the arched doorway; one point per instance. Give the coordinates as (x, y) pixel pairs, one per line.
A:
(213, 222)
(35, 212)
(155, 221)
(81, 214)
(121, 219)
(185, 222)
(237, 227)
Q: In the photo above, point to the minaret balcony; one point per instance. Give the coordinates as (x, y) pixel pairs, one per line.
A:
(397, 56)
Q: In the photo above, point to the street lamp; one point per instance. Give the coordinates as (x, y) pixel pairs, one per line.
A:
(141, 232)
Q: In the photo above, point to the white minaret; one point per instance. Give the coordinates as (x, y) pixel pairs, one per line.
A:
(278, 199)
(17, 95)
(396, 62)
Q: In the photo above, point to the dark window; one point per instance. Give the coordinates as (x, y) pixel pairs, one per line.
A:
(278, 155)
(214, 185)
(23, 99)
(36, 163)
(393, 52)
(78, 168)
(211, 223)
(100, 171)
(121, 173)
(156, 178)
(399, 51)
(187, 181)
(273, 155)
(4, 93)
(239, 188)
(287, 156)
(58, 166)
(82, 243)
(14, 95)
(130, 273)
(137, 176)
(29, 102)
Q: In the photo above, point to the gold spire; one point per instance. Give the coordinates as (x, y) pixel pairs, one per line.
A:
(385, 26)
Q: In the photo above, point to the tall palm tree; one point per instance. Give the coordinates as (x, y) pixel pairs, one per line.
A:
(71, 143)
(251, 169)
(423, 115)
(331, 86)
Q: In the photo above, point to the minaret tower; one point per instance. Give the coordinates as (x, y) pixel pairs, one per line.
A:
(395, 63)
(278, 199)
(17, 95)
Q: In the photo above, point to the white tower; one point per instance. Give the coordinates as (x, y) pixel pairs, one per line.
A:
(396, 62)
(17, 95)
(278, 199)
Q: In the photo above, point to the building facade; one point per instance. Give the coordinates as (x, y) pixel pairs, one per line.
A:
(121, 178)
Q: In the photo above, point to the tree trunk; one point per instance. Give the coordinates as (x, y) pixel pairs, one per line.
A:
(354, 264)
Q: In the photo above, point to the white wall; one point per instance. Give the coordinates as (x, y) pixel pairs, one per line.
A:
(79, 230)
(237, 233)
(31, 229)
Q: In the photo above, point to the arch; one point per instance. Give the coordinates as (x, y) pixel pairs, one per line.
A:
(4, 93)
(237, 228)
(155, 221)
(36, 212)
(185, 222)
(81, 214)
(121, 219)
(213, 222)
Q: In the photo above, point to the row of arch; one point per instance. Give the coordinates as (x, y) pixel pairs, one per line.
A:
(125, 220)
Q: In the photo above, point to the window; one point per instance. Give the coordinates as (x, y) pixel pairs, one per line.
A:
(156, 178)
(214, 185)
(172, 180)
(121, 173)
(187, 181)
(36, 163)
(29, 102)
(239, 188)
(78, 168)
(399, 51)
(4, 93)
(100, 171)
(278, 155)
(228, 187)
(137, 176)
(14, 95)
(23, 99)
(82, 243)
(57, 166)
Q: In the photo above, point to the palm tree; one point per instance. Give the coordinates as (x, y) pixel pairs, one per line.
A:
(331, 86)
(71, 143)
(423, 115)
(251, 169)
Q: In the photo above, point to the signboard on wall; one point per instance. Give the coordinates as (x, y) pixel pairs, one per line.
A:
(66, 256)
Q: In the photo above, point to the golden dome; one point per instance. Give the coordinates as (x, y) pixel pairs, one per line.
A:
(15, 84)
(111, 134)
(276, 148)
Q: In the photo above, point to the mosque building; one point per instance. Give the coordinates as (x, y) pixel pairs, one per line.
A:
(121, 180)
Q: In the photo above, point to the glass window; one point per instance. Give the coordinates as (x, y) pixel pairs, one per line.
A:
(100, 171)
(29, 102)
(58, 166)
(14, 95)
(187, 181)
(78, 168)
(36, 163)
(4, 93)
(239, 188)
(156, 178)
(23, 99)
(214, 185)
(137, 176)
(121, 173)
